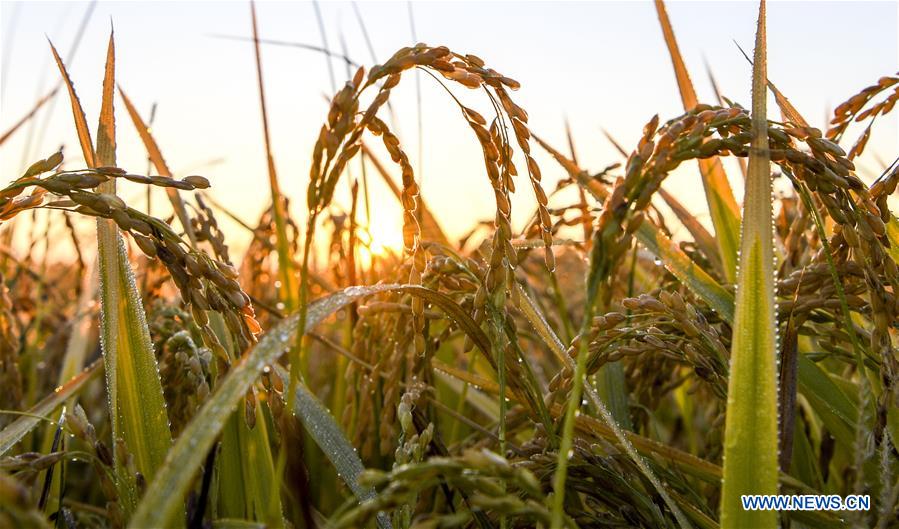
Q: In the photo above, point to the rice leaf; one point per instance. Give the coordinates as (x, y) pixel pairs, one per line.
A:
(477, 399)
(805, 464)
(838, 413)
(472, 379)
(246, 471)
(328, 435)
(229, 523)
(723, 207)
(165, 493)
(531, 311)
(84, 135)
(751, 442)
(893, 235)
(286, 268)
(686, 270)
(15, 431)
(73, 360)
(232, 498)
(140, 417)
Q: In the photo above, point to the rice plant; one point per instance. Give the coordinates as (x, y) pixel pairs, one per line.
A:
(587, 369)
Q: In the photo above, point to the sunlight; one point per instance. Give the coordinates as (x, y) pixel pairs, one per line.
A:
(383, 237)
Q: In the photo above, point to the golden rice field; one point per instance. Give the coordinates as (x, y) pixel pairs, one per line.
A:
(587, 370)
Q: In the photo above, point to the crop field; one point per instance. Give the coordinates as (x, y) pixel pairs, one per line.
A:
(616, 359)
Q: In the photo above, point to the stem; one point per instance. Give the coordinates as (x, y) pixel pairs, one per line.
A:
(558, 507)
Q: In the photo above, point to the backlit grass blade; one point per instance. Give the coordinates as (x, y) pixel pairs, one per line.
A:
(289, 288)
(723, 207)
(686, 270)
(751, 442)
(531, 311)
(478, 400)
(321, 425)
(15, 431)
(141, 417)
(84, 135)
(246, 471)
(472, 379)
(787, 110)
(166, 492)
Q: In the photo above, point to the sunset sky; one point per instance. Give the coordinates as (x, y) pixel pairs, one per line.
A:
(598, 64)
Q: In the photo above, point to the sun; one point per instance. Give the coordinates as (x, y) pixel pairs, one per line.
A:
(384, 236)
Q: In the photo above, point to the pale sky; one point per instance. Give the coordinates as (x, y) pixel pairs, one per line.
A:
(600, 64)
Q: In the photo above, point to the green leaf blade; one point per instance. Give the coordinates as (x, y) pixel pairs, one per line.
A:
(751, 440)
(15, 431)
